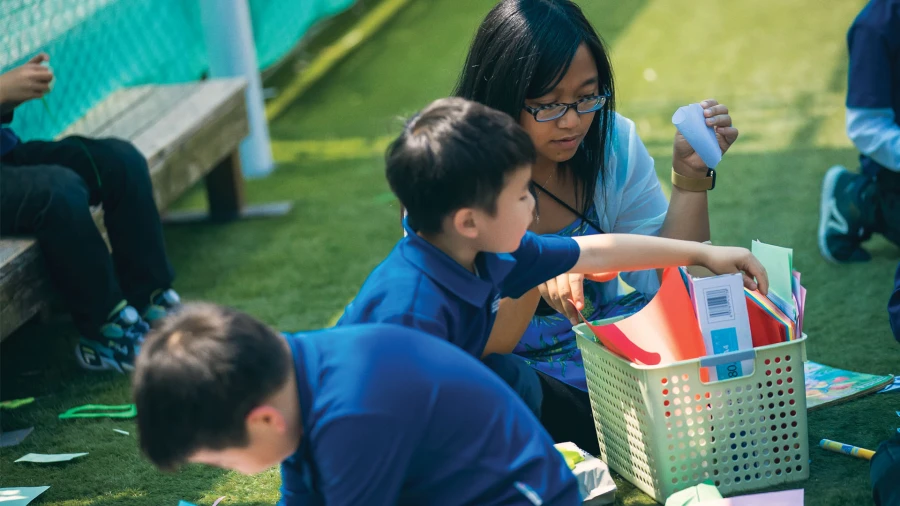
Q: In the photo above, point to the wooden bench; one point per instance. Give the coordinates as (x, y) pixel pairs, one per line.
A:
(186, 132)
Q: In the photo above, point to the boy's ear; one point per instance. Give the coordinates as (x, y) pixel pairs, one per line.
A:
(265, 418)
(464, 222)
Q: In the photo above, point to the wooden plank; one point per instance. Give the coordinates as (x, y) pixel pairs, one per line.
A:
(24, 287)
(209, 102)
(190, 161)
(147, 112)
(106, 112)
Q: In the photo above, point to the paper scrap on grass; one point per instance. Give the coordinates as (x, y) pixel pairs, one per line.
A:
(120, 431)
(40, 458)
(20, 496)
(783, 498)
(892, 387)
(692, 496)
(14, 437)
(16, 403)
(185, 503)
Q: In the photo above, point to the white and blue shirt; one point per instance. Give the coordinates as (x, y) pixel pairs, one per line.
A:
(444, 432)
(420, 286)
(873, 91)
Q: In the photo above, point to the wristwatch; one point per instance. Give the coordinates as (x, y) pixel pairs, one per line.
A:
(695, 184)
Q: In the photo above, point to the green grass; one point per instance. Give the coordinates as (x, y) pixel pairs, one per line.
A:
(784, 85)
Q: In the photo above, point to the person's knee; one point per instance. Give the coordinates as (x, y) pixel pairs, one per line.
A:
(61, 196)
(128, 155)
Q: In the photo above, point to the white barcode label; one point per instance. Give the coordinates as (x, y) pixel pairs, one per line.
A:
(718, 305)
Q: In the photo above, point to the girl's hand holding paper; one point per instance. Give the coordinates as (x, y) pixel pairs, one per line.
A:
(728, 260)
(558, 292)
(685, 158)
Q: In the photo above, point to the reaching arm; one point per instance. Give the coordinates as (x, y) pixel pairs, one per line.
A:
(629, 252)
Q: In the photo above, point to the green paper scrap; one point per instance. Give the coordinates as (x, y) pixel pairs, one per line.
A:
(697, 494)
(20, 496)
(40, 458)
(572, 457)
(16, 403)
(101, 411)
(779, 264)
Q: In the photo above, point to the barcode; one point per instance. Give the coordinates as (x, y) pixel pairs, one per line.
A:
(718, 304)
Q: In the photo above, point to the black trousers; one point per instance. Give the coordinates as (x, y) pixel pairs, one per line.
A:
(566, 414)
(46, 190)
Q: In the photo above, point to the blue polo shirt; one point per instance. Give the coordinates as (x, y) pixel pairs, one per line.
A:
(420, 286)
(445, 432)
(874, 74)
(894, 306)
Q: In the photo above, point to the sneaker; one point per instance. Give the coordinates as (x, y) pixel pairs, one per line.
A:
(119, 343)
(842, 215)
(162, 304)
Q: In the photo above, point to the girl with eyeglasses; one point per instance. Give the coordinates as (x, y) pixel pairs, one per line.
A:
(543, 63)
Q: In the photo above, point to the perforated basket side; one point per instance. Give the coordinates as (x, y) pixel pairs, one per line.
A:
(621, 418)
(664, 430)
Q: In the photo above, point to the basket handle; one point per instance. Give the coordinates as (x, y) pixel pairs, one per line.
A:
(727, 358)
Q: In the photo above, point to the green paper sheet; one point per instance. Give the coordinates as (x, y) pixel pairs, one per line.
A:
(20, 496)
(40, 458)
(694, 495)
(779, 264)
(101, 411)
(16, 403)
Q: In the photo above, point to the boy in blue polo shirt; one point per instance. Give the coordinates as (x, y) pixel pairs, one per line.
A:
(462, 171)
(217, 387)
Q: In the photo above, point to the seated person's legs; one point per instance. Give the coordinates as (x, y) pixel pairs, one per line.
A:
(52, 203)
(116, 176)
(894, 306)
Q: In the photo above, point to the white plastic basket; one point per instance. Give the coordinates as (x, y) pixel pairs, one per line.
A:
(664, 430)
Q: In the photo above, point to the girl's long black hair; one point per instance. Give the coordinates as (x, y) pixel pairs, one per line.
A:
(522, 49)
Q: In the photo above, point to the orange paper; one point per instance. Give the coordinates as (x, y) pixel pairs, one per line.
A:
(666, 326)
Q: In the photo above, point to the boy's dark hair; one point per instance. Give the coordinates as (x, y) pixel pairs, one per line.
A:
(199, 376)
(453, 154)
(522, 50)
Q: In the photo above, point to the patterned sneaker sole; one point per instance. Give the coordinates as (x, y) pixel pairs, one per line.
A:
(90, 360)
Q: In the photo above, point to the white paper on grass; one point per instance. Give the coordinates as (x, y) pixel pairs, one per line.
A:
(20, 496)
(14, 437)
(41, 458)
(594, 480)
(690, 122)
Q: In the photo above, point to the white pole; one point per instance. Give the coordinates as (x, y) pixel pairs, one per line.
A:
(229, 43)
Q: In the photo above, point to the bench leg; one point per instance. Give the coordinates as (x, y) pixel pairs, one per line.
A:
(225, 189)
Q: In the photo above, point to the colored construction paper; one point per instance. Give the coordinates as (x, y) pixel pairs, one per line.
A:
(666, 326)
(40, 458)
(778, 262)
(692, 496)
(12, 438)
(20, 496)
(799, 301)
(783, 498)
(768, 324)
(617, 342)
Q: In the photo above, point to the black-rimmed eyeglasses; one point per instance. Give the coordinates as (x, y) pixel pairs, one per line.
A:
(551, 112)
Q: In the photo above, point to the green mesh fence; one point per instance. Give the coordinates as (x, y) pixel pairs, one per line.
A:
(99, 46)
